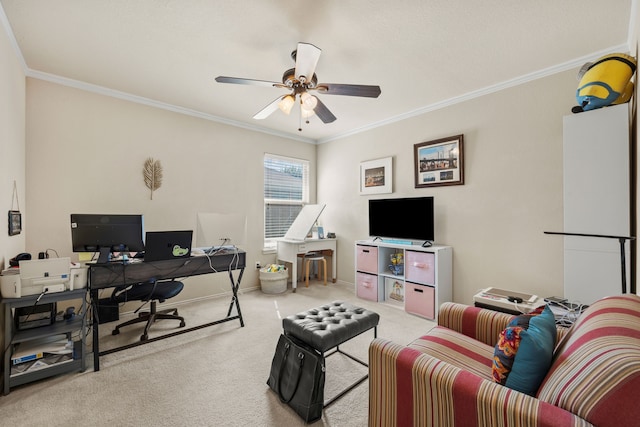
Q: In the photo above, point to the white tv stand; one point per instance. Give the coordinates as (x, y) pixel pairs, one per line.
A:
(424, 283)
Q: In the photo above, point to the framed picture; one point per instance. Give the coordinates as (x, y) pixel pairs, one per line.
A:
(376, 176)
(15, 223)
(439, 162)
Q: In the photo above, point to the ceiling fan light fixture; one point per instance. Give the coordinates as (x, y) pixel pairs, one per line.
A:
(306, 113)
(309, 102)
(286, 104)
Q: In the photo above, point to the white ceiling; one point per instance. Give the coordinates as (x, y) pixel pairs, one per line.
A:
(423, 53)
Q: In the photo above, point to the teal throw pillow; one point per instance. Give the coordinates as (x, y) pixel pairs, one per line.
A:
(535, 353)
(508, 343)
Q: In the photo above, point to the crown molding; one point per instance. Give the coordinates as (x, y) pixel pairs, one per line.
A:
(573, 64)
(101, 90)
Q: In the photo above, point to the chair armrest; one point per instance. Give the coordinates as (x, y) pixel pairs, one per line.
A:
(478, 323)
(407, 387)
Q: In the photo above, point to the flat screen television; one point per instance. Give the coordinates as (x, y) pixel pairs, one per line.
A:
(402, 218)
(107, 233)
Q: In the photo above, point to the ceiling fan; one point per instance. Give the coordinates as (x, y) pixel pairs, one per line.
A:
(300, 81)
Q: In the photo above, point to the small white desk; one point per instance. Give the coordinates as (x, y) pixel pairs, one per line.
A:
(288, 251)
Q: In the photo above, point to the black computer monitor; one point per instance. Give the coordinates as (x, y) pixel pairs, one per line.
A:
(107, 233)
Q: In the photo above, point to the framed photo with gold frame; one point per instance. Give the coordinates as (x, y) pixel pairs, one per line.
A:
(439, 162)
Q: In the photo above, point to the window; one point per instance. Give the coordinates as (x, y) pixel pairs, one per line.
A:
(286, 190)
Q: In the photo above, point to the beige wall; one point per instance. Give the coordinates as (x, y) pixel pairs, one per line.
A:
(512, 190)
(12, 151)
(495, 222)
(12, 142)
(86, 152)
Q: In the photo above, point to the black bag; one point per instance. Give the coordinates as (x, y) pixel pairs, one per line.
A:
(297, 376)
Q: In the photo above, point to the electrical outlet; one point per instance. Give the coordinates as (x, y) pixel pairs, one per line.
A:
(258, 264)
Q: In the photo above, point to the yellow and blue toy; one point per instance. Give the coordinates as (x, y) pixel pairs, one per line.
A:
(605, 82)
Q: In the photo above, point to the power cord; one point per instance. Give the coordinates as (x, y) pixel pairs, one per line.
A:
(52, 250)
(569, 313)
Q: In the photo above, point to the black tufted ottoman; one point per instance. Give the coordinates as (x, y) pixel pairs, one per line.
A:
(328, 326)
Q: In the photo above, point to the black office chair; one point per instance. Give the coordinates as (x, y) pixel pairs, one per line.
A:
(153, 292)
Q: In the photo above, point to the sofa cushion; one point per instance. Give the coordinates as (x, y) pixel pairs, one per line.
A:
(524, 350)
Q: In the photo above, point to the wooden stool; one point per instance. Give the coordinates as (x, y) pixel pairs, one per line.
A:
(324, 264)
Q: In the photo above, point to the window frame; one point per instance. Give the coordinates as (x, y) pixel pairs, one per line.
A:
(270, 243)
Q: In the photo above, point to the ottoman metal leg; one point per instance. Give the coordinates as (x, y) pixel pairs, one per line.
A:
(359, 381)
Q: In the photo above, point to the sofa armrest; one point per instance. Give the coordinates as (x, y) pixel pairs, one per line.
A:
(407, 387)
(478, 323)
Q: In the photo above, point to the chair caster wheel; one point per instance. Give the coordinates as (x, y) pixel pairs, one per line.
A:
(182, 324)
(115, 332)
(144, 337)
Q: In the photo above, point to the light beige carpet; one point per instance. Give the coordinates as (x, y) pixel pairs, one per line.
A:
(215, 376)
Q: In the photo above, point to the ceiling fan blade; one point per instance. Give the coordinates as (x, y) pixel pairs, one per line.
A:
(323, 113)
(266, 111)
(307, 57)
(241, 81)
(349, 90)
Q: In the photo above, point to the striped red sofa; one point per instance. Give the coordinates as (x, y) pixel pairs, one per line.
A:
(444, 378)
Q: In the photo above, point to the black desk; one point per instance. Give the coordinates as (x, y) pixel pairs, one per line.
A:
(113, 274)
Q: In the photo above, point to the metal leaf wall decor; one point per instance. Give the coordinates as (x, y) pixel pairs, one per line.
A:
(152, 173)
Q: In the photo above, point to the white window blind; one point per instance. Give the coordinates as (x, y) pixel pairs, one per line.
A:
(286, 190)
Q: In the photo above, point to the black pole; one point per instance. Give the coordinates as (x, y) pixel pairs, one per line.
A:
(622, 240)
(623, 264)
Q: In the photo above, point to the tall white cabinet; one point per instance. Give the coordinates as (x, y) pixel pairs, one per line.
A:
(597, 194)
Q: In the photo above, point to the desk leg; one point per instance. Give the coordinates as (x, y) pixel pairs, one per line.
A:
(294, 274)
(333, 266)
(8, 327)
(234, 298)
(94, 326)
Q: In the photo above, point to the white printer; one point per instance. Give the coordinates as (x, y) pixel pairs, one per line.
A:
(47, 275)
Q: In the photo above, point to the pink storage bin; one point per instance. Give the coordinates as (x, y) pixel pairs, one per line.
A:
(367, 286)
(367, 259)
(420, 300)
(419, 267)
